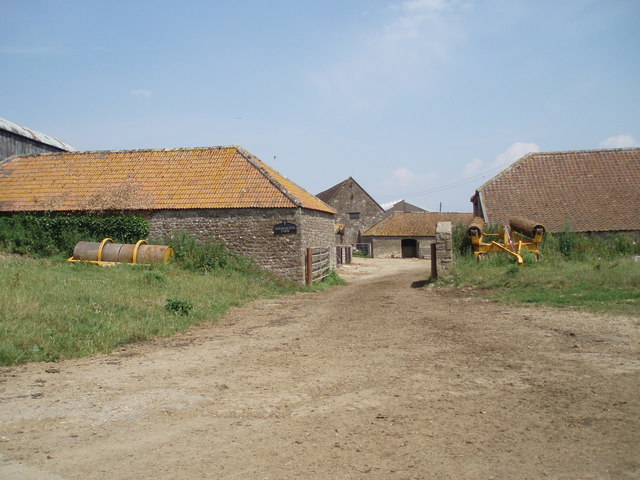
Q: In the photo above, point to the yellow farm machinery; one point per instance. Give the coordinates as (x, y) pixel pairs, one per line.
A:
(520, 234)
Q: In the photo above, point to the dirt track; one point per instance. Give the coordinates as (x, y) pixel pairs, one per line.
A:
(373, 380)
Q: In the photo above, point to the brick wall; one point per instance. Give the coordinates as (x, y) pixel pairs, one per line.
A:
(249, 232)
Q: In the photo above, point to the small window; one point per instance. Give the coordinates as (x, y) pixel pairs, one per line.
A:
(354, 216)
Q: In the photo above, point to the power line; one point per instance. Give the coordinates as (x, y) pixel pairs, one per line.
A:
(447, 186)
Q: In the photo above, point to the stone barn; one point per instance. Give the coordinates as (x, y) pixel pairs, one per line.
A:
(222, 193)
(409, 234)
(589, 191)
(356, 210)
(18, 140)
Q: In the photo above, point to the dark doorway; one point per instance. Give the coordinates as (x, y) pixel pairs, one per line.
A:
(409, 248)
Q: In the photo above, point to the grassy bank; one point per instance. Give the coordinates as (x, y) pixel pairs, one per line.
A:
(51, 309)
(609, 286)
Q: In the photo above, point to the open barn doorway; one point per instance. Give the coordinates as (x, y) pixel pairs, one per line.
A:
(409, 248)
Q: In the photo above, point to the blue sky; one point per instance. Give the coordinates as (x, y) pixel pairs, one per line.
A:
(417, 99)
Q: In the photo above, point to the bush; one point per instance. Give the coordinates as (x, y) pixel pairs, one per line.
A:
(44, 235)
(207, 256)
(179, 306)
(461, 242)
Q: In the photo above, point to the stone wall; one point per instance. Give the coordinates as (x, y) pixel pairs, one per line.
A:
(317, 231)
(444, 248)
(391, 247)
(249, 232)
(352, 199)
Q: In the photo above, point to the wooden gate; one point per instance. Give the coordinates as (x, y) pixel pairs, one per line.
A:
(318, 264)
(343, 254)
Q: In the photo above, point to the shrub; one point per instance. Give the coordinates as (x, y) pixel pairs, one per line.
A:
(48, 234)
(207, 256)
(179, 306)
(461, 242)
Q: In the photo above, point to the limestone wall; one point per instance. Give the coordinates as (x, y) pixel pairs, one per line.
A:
(444, 248)
(249, 232)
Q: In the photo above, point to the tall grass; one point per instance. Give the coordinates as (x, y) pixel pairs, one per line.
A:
(575, 270)
(51, 309)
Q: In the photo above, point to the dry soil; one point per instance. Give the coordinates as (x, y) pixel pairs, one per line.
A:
(377, 379)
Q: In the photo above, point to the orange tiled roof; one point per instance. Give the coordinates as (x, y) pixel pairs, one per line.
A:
(591, 190)
(212, 177)
(415, 224)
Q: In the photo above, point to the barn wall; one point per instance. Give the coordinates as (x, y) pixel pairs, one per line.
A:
(391, 247)
(351, 198)
(249, 232)
(12, 144)
(317, 231)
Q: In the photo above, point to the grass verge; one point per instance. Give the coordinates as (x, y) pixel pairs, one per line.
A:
(607, 286)
(52, 310)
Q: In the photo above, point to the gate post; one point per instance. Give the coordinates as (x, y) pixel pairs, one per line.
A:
(434, 262)
(444, 248)
(309, 262)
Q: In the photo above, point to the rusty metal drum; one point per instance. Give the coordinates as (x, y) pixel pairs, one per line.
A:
(109, 252)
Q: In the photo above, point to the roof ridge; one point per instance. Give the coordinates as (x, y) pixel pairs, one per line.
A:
(333, 190)
(517, 163)
(590, 150)
(134, 150)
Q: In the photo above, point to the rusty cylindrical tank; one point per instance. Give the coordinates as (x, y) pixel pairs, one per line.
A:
(108, 251)
(476, 227)
(526, 227)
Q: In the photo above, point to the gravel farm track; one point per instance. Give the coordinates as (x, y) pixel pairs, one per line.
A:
(382, 378)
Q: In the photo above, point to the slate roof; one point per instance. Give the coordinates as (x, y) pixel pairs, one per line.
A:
(415, 224)
(187, 178)
(34, 135)
(592, 190)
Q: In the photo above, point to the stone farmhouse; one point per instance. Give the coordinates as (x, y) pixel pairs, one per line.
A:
(356, 210)
(223, 193)
(18, 140)
(409, 234)
(586, 190)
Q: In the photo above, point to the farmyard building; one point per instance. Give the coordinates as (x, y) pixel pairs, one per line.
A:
(222, 193)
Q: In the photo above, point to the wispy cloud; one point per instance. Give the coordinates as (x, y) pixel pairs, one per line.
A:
(397, 58)
(472, 168)
(141, 93)
(403, 178)
(514, 152)
(619, 141)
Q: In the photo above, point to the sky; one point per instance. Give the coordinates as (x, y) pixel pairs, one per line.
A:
(422, 100)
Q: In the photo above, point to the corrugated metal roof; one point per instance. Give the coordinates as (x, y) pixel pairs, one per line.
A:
(188, 178)
(590, 190)
(34, 135)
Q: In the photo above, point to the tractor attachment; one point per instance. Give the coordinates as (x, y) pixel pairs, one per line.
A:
(519, 234)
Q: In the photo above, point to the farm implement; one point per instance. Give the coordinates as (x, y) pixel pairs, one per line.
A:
(107, 252)
(520, 234)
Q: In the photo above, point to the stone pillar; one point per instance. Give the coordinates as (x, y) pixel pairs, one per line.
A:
(444, 248)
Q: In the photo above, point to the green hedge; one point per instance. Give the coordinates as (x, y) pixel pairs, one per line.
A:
(43, 235)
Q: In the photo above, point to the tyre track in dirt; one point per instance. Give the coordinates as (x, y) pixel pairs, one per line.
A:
(372, 380)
